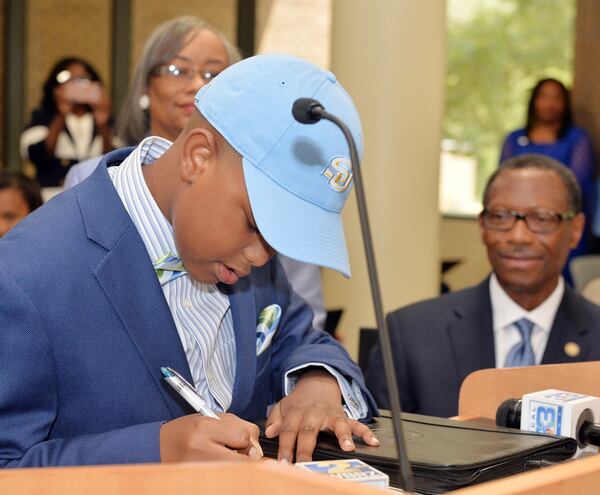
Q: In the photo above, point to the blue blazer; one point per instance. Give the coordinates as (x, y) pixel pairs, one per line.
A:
(85, 329)
(437, 343)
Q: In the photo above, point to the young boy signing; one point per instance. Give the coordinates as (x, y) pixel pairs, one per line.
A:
(163, 257)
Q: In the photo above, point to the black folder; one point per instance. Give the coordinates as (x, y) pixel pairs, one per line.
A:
(447, 454)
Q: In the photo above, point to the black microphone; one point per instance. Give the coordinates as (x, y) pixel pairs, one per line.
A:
(307, 110)
(508, 413)
(310, 111)
(586, 432)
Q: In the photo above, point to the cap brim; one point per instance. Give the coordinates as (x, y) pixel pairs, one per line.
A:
(295, 227)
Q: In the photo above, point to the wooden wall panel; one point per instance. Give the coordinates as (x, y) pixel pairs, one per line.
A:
(60, 28)
(145, 16)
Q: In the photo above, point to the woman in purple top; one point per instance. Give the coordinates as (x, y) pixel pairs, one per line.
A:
(550, 131)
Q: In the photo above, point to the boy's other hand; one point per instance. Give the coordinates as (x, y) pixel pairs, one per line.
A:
(314, 405)
(200, 438)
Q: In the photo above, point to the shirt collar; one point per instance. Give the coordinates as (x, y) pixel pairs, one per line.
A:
(506, 311)
(154, 228)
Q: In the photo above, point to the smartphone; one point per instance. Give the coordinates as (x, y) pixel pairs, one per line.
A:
(83, 91)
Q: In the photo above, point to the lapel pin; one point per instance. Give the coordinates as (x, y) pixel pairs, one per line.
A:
(572, 349)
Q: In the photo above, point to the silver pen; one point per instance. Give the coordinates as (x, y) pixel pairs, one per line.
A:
(187, 392)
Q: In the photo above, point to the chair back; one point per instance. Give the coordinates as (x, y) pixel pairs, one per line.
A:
(583, 269)
(332, 320)
(366, 341)
(591, 291)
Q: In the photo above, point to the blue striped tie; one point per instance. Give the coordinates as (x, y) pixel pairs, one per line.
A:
(521, 353)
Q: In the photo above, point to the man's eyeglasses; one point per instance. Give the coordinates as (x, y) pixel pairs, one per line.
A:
(178, 73)
(539, 222)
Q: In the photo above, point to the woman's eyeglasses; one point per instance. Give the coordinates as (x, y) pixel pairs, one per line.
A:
(178, 73)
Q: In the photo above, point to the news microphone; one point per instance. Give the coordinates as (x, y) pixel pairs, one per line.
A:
(555, 412)
(310, 111)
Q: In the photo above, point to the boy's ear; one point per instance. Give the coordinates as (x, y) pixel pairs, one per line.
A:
(197, 151)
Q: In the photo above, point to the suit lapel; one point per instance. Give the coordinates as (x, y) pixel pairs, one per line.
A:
(243, 312)
(568, 332)
(129, 281)
(471, 332)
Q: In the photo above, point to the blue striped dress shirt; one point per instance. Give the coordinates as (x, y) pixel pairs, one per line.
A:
(200, 311)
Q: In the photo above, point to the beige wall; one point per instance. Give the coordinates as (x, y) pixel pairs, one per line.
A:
(390, 56)
(460, 241)
(146, 15)
(298, 27)
(60, 28)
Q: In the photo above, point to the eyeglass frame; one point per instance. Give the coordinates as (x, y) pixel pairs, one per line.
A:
(516, 216)
(185, 73)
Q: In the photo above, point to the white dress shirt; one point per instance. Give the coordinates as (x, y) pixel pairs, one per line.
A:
(505, 312)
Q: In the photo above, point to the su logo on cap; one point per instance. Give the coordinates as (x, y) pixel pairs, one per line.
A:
(339, 173)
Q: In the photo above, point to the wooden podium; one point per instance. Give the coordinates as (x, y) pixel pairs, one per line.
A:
(480, 395)
(483, 391)
(211, 478)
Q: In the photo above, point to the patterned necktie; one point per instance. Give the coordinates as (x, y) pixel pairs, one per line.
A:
(168, 268)
(521, 353)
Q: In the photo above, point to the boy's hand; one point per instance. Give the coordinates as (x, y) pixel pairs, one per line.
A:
(199, 438)
(314, 405)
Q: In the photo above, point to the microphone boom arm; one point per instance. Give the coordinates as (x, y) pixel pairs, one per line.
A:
(317, 111)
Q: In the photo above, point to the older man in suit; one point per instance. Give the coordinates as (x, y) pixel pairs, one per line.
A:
(522, 314)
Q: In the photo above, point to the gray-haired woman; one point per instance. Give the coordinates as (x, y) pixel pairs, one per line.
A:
(179, 57)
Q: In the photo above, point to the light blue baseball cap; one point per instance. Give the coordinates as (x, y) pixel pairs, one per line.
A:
(298, 176)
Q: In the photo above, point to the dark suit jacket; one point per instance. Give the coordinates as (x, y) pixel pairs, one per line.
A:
(85, 328)
(437, 343)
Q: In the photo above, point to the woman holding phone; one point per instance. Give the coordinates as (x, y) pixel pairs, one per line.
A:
(71, 124)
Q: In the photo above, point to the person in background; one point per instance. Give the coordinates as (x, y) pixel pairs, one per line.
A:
(550, 131)
(180, 57)
(305, 279)
(19, 196)
(71, 124)
(523, 314)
